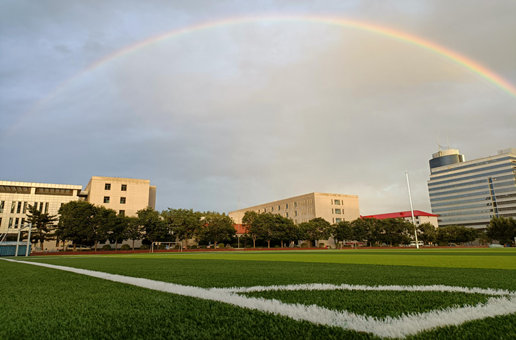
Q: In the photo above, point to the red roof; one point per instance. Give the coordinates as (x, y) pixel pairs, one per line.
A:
(240, 229)
(401, 214)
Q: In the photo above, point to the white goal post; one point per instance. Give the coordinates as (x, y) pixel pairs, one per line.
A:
(168, 245)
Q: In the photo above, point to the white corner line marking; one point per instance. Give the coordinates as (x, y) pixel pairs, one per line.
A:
(390, 327)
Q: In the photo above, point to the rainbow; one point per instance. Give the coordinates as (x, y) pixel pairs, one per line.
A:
(442, 51)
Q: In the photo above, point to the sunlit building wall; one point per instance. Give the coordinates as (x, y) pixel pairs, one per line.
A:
(124, 195)
(16, 197)
(332, 207)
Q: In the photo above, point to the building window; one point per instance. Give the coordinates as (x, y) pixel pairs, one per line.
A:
(18, 209)
(124, 187)
(338, 219)
(286, 206)
(0, 222)
(107, 186)
(295, 213)
(122, 200)
(10, 222)
(16, 221)
(338, 211)
(24, 207)
(2, 203)
(46, 208)
(106, 199)
(272, 208)
(337, 202)
(295, 204)
(13, 207)
(40, 206)
(121, 212)
(279, 207)
(286, 214)
(22, 222)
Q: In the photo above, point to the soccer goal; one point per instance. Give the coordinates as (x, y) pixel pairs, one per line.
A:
(166, 246)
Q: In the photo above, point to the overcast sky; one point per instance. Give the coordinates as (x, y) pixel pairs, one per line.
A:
(236, 115)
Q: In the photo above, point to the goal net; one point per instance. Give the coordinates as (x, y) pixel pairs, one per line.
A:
(166, 246)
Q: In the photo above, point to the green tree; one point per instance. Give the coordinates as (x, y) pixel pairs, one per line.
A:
(76, 223)
(104, 222)
(455, 234)
(341, 232)
(427, 233)
(283, 229)
(134, 230)
(393, 231)
(43, 223)
(315, 229)
(261, 226)
(363, 228)
(502, 229)
(183, 224)
(217, 228)
(117, 233)
(250, 220)
(153, 225)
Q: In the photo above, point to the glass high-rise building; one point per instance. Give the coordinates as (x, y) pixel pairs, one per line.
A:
(470, 193)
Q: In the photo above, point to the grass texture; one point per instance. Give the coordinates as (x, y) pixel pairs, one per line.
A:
(44, 303)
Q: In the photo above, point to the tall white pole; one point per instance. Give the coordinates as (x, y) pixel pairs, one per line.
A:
(412, 210)
(17, 242)
(28, 241)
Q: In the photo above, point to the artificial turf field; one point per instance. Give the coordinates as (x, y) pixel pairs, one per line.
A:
(48, 303)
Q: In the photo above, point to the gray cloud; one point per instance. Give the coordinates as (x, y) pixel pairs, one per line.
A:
(228, 117)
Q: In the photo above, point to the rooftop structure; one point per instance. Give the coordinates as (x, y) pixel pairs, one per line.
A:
(420, 217)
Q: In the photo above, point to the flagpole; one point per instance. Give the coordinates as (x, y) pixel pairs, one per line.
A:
(412, 209)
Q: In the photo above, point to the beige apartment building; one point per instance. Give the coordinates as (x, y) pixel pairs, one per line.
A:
(124, 195)
(15, 198)
(332, 207)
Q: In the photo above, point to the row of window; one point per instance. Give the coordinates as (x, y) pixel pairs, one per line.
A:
(432, 182)
(497, 191)
(20, 207)
(448, 220)
(483, 180)
(107, 199)
(495, 186)
(123, 187)
(15, 222)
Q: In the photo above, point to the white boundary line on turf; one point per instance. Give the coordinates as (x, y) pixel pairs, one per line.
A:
(326, 286)
(399, 327)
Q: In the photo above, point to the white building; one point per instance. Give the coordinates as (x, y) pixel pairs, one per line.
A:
(15, 198)
(470, 193)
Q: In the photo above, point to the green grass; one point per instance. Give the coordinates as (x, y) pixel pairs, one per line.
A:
(379, 304)
(45, 303)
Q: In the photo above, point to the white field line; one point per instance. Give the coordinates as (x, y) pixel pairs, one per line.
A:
(325, 286)
(391, 327)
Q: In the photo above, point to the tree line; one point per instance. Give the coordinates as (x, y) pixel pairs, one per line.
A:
(367, 231)
(85, 224)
